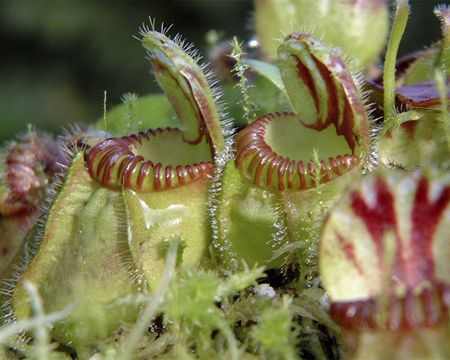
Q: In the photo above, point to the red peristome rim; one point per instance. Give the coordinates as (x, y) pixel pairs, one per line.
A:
(426, 309)
(254, 156)
(113, 164)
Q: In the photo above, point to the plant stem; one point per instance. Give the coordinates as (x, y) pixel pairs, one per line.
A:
(398, 28)
(239, 69)
(443, 88)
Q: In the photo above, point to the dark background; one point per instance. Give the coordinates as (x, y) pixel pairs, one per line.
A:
(57, 57)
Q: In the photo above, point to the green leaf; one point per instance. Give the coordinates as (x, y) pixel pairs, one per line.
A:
(269, 71)
(148, 112)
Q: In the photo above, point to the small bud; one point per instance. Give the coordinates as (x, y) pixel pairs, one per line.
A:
(30, 163)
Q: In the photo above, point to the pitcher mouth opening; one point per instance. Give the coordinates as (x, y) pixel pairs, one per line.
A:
(276, 152)
(152, 160)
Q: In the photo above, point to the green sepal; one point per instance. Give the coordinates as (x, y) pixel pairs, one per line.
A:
(154, 217)
(82, 259)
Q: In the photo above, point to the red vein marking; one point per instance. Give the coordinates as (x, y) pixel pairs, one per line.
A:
(349, 251)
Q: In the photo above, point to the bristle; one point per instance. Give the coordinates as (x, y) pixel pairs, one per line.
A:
(280, 236)
(226, 121)
(221, 247)
(125, 255)
(165, 29)
(370, 158)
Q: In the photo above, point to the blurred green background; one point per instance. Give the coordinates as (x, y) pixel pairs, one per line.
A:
(57, 57)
